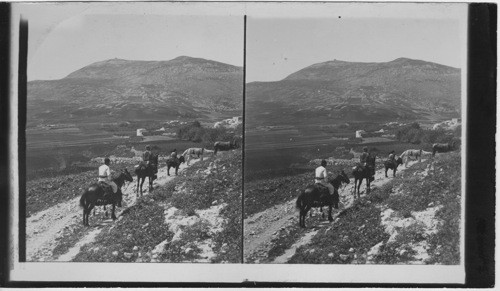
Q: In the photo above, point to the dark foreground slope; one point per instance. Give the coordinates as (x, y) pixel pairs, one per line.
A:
(386, 226)
(141, 228)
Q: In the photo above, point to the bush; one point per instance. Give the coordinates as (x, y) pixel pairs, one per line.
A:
(414, 134)
(207, 136)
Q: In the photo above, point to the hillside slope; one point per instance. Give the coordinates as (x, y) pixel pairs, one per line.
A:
(194, 218)
(414, 218)
(117, 88)
(403, 88)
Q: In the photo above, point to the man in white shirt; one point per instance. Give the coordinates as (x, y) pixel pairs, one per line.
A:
(322, 177)
(105, 175)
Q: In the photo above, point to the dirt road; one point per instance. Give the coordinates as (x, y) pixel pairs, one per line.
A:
(44, 228)
(261, 228)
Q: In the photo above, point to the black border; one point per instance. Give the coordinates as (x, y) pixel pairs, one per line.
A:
(4, 139)
(22, 99)
(481, 126)
(480, 172)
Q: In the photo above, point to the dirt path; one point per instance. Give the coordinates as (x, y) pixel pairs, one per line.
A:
(260, 228)
(44, 228)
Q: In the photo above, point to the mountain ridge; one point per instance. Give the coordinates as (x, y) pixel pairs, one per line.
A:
(183, 86)
(400, 89)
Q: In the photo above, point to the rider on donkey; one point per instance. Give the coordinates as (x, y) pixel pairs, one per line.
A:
(146, 156)
(173, 155)
(363, 158)
(392, 157)
(105, 178)
(322, 177)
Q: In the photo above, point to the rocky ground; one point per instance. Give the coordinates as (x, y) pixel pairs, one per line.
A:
(46, 229)
(264, 231)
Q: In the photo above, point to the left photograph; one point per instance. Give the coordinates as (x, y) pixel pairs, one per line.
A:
(133, 135)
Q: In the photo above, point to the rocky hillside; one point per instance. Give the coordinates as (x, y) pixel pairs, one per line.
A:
(184, 86)
(413, 219)
(196, 217)
(403, 88)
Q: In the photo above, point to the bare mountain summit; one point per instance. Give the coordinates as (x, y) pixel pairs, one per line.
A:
(184, 86)
(350, 91)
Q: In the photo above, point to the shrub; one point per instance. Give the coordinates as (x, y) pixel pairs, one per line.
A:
(207, 136)
(414, 134)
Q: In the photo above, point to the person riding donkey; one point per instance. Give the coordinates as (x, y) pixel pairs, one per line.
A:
(321, 177)
(173, 156)
(105, 179)
(366, 161)
(363, 158)
(151, 161)
(392, 157)
(146, 158)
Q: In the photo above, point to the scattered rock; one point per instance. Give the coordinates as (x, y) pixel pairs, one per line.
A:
(351, 250)
(115, 253)
(330, 255)
(344, 257)
(128, 255)
(188, 250)
(136, 248)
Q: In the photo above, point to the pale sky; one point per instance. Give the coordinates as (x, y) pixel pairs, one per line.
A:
(65, 37)
(277, 47)
(282, 38)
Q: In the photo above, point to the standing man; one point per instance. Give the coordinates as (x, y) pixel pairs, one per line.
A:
(105, 176)
(321, 177)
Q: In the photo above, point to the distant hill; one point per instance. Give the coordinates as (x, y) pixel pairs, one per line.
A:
(347, 91)
(124, 89)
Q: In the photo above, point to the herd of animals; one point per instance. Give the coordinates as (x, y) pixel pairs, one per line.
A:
(313, 196)
(99, 194)
(317, 196)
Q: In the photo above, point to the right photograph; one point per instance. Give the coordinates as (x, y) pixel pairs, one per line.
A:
(353, 140)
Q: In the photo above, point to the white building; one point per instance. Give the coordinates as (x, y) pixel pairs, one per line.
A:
(359, 133)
